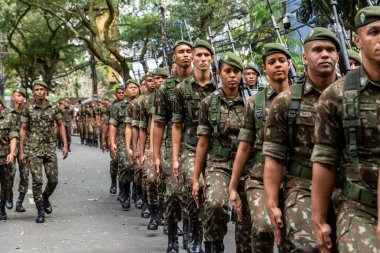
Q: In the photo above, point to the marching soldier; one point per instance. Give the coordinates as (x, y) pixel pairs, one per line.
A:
(288, 140)
(346, 137)
(38, 121)
(67, 112)
(276, 67)
(355, 59)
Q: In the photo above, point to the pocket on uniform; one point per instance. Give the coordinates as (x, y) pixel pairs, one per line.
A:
(369, 121)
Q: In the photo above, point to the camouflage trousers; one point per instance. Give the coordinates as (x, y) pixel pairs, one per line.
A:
(37, 164)
(137, 174)
(5, 181)
(356, 227)
(299, 234)
(90, 130)
(24, 176)
(151, 181)
(216, 204)
(262, 237)
(82, 130)
(172, 211)
(114, 167)
(243, 228)
(125, 168)
(186, 172)
(68, 133)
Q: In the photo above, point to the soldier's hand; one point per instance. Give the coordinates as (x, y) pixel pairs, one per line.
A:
(322, 233)
(113, 149)
(130, 155)
(156, 168)
(10, 159)
(175, 171)
(104, 145)
(65, 152)
(236, 204)
(21, 156)
(195, 192)
(275, 215)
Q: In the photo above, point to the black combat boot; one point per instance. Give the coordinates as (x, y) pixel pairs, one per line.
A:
(9, 203)
(19, 207)
(120, 196)
(126, 203)
(40, 213)
(81, 141)
(219, 246)
(113, 185)
(133, 192)
(172, 238)
(96, 144)
(3, 214)
(145, 210)
(160, 215)
(185, 228)
(209, 247)
(195, 237)
(153, 223)
(46, 204)
(139, 201)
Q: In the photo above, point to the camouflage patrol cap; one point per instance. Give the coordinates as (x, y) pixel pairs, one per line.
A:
(142, 78)
(205, 44)
(19, 91)
(272, 48)
(232, 60)
(182, 42)
(149, 74)
(120, 87)
(367, 15)
(252, 66)
(321, 33)
(160, 72)
(354, 55)
(39, 82)
(132, 81)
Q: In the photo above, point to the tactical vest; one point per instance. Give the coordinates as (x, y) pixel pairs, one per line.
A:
(189, 96)
(259, 110)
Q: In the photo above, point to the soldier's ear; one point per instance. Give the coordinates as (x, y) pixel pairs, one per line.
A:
(358, 41)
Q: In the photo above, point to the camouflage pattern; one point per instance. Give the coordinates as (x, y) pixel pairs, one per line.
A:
(243, 228)
(181, 115)
(356, 223)
(299, 234)
(134, 114)
(67, 118)
(90, 124)
(81, 123)
(8, 130)
(163, 113)
(261, 234)
(113, 163)
(218, 169)
(97, 113)
(146, 109)
(41, 145)
(118, 114)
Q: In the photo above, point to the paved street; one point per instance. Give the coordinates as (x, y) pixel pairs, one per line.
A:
(85, 218)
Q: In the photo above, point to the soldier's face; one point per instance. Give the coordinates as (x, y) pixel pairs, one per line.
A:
(202, 58)
(18, 98)
(120, 94)
(39, 92)
(368, 40)
(149, 83)
(132, 90)
(158, 81)
(276, 67)
(182, 56)
(230, 76)
(250, 77)
(320, 57)
(144, 89)
(354, 64)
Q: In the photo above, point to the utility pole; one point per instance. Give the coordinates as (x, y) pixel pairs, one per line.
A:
(94, 77)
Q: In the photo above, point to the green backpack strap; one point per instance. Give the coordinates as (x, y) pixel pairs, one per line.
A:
(215, 114)
(351, 116)
(188, 97)
(294, 105)
(259, 108)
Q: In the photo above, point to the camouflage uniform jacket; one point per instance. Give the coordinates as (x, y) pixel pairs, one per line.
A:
(223, 133)
(146, 111)
(252, 130)
(41, 128)
(135, 107)
(106, 114)
(118, 114)
(330, 135)
(277, 132)
(186, 105)
(8, 130)
(67, 114)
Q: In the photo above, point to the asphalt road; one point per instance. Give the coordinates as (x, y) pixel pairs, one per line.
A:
(85, 218)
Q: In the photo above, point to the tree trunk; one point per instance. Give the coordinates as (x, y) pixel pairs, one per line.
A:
(94, 77)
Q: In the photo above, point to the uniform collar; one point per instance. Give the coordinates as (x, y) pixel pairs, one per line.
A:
(220, 93)
(211, 81)
(35, 105)
(364, 79)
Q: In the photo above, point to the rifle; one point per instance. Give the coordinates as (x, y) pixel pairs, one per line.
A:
(344, 61)
(214, 66)
(292, 73)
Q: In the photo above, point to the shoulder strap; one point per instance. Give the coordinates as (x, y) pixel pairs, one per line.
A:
(188, 97)
(351, 117)
(259, 107)
(294, 105)
(215, 113)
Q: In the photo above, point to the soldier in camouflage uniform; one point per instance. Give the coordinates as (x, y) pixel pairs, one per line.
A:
(355, 59)
(120, 96)
(67, 112)
(162, 131)
(88, 124)
(187, 100)
(117, 126)
(251, 76)
(97, 121)
(276, 67)
(18, 98)
(346, 137)
(9, 133)
(38, 121)
(220, 118)
(81, 123)
(288, 140)
(146, 119)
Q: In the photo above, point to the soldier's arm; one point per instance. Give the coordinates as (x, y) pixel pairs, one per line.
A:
(62, 131)
(151, 135)
(13, 148)
(177, 119)
(160, 120)
(128, 138)
(23, 129)
(112, 138)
